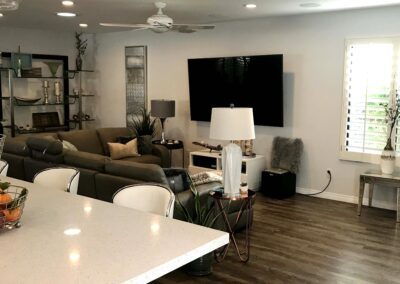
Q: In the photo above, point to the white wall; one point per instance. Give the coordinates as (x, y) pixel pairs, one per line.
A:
(313, 48)
(37, 41)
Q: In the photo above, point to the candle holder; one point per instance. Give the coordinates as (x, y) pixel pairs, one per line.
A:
(57, 92)
(46, 92)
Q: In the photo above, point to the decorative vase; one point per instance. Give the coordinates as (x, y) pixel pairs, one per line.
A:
(78, 63)
(388, 160)
(53, 67)
(200, 266)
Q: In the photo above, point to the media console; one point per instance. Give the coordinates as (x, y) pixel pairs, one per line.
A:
(205, 160)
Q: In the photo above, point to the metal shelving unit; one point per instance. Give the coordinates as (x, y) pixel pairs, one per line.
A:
(13, 103)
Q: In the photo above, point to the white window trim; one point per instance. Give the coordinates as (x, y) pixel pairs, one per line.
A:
(357, 156)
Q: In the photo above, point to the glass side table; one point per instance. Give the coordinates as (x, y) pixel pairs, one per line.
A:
(246, 201)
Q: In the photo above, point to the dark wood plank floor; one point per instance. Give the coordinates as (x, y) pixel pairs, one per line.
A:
(311, 240)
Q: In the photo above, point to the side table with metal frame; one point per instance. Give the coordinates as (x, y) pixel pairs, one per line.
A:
(246, 204)
(373, 177)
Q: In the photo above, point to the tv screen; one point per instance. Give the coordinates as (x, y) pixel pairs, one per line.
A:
(244, 81)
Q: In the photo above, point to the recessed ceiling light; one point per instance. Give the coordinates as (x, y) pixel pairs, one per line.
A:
(65, 14)
(9, 5)
(309, 5)
(83, 25)
(250, 6)
(1, 15)
(68, 3)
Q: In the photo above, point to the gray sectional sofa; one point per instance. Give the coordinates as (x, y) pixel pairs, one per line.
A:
(100, 176)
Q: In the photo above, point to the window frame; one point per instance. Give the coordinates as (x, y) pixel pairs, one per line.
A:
(361, 156)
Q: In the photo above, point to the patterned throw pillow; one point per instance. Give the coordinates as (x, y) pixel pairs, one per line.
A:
(206, 177)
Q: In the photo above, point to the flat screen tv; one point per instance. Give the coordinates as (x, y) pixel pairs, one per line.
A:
(244, 81)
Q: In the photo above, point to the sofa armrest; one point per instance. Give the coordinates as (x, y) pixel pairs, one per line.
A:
(16, 147)
(138, 171)
(163, 153)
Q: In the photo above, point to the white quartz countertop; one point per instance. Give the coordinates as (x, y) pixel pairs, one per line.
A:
(115, 244)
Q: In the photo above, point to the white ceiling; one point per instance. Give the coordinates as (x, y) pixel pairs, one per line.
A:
(40, 14)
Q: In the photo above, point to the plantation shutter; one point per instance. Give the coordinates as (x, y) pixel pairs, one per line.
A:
(370, 75)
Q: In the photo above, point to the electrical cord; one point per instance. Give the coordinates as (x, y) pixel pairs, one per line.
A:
(329, 182)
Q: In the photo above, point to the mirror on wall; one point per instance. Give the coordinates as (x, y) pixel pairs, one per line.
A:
(136, 79)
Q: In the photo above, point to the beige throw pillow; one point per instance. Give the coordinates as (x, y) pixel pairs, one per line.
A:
(119, 151)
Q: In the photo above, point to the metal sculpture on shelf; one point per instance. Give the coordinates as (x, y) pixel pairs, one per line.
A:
(211, 147)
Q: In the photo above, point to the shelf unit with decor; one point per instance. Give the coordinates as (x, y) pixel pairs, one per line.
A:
(79, 95)
(14, 103)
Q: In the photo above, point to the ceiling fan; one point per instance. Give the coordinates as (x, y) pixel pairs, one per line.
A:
(161, 23)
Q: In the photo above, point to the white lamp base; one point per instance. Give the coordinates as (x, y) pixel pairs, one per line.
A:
(232, 168)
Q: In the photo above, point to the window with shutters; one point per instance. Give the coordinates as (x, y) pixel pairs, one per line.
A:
(370, 79)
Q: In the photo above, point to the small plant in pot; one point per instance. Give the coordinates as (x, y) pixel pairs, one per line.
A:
(203, 215)
(144, 128)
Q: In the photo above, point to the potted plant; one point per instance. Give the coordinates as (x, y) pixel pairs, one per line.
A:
(388, 156)
(144, 128)
(203, 214)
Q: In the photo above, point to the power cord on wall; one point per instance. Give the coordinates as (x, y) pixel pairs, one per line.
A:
(329, 182)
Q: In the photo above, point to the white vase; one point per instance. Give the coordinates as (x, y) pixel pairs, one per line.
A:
(388, 161)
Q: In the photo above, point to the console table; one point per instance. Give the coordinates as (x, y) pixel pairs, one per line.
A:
(205, 160)
(376, 177)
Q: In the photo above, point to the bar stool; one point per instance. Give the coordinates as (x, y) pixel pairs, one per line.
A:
(60, 178)
(150, 198)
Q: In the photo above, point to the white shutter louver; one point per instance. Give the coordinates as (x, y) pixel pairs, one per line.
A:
(370, 69)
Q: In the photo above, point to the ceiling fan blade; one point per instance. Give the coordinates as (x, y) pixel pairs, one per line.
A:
(134, 26)
(193, 27)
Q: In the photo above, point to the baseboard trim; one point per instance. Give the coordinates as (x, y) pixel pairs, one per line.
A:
(346, 198)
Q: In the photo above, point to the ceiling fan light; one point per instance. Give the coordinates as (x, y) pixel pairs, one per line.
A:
(159, 29)
(68, 3)
(9, 5)
(66, 14)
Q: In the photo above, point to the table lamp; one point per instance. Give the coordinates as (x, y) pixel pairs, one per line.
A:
(162, 109)
(232, 124)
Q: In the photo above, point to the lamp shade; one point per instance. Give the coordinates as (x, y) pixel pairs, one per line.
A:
(162, 108)
(232, 123)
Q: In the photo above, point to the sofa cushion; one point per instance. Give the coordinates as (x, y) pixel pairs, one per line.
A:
(119, 150)
(145, 159)
(110, 135)
(139, 171)
(85, 160)
(83, 140)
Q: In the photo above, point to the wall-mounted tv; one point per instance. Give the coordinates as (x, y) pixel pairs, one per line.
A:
(245, 81)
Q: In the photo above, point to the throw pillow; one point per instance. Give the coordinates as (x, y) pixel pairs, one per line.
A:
(286, 153)
(206, 177)
(68, 145)
(119, 151)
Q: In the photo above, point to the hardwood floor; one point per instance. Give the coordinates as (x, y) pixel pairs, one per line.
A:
(311, 240)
